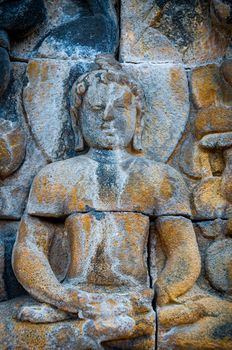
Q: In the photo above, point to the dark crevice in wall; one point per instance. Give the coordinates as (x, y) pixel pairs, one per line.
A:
(19, 59)
(154, 305)
(118, 13)
(151, 282)
(196, 221)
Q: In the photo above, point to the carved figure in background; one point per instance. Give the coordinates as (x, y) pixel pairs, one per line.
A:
(208, 158)
(106, 198)
(18, 19)
(12, 147)
(97, 32)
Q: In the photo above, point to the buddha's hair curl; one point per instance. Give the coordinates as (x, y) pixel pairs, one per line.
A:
(109, 71)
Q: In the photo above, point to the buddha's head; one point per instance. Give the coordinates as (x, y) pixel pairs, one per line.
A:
(106, 106)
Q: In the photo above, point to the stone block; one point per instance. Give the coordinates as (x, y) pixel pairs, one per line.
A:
(213, 120)
(3, 293)
(12, 147)
(203, 323)
(218, 263)
(116, 326)
(20, 18)
(166, 107)
(164, 31)
(140, 40)
(58, 36)
(45, 104)
(8, 231)
(206, 87)
(209, 201)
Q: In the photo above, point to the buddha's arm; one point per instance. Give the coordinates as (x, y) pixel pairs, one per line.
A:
(32, 268)
(183, 260)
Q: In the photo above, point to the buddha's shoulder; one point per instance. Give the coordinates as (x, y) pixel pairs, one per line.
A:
(65, 169)
(152, 168)
(54, 183)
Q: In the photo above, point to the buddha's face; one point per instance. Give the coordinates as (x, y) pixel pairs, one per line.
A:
(108, 116)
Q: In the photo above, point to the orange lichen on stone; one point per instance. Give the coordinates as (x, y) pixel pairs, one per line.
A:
(47, 192)
(75, 202)
(206, 85)
(166, 189)
(213, 120)
(33, 69)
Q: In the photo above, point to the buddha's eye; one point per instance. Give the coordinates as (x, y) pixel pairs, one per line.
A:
(97, 107)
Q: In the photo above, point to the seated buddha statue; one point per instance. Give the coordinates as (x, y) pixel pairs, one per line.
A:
(106, 197)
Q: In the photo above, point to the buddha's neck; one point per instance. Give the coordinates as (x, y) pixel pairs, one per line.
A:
(108, 156)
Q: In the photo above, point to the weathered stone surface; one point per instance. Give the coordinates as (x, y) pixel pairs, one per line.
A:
(211, 87)
(221, 11)
(219, 265)
(45, 105)
(107, 230)
(213, 228)
(3, 294)
(5, 69)
(166, 107)
(118, 318)
(8, 231)
(18, 166)
(213, 120)
(198, 319)
(10, 100)
(193, 161)
(183, 260)
(201, 323)
(59, 38)
(16, 18)
(226, 70)
(209, 201)
(164, 31)
(206, 87)
(19, 18)
(140, 40)
(227, 175)
(219, 141)
(105, 199)
(12, 147)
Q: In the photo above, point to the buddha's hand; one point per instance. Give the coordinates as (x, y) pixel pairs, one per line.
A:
(163, 296)
(86, 304)
(72, 300)
(75, 300)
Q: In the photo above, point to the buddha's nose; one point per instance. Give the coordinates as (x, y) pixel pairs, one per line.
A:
(108, 113)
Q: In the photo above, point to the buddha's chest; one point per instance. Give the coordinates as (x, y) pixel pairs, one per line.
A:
(108, 248)
(112, 188)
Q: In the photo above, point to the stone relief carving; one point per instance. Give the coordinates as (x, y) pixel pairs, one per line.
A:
(162, 31)
(16, 19)
(106, 198)
(72, 29)
(114, 250)
(12, 147)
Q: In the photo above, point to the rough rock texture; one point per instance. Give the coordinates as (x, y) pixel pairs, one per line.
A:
(120, 324)
(44, 102)
(12, 147)
(166, 31)
(20, 159)
(72, 29)
(166, 107)
(116, 249)
(3, 294)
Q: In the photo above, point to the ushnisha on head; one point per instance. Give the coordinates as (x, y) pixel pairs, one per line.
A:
(106, 108)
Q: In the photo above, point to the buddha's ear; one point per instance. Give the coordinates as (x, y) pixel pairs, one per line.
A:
(78, 137)
(79, 141)
(137, 138)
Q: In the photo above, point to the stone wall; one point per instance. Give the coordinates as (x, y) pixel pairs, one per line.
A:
(179, 52)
